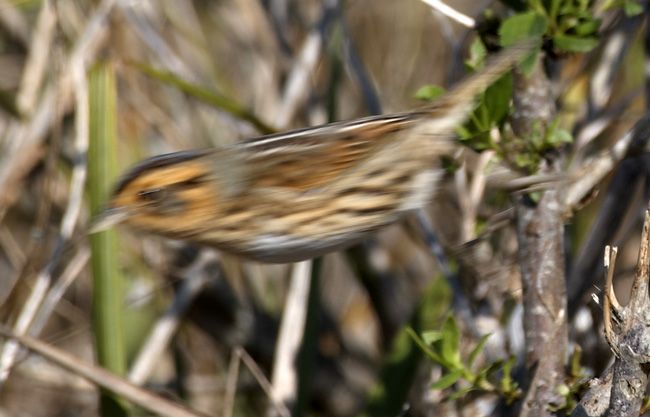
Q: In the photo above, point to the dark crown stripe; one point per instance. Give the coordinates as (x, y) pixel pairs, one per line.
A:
(155, 163)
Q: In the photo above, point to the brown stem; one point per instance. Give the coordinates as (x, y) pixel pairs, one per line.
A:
(540, 230)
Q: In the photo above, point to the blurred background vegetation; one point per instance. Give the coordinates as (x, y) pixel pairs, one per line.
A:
(192, 74)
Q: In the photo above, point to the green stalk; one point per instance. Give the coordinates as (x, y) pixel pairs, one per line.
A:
(207, 95)
(108, 319)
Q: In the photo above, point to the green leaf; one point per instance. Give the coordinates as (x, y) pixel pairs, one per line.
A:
(575, 368)
(448, 380)
(477, 55)
(493, 107)
(497, 99)
(571, 43)
(477, 349)
(525, 160)
(433, 356)
(450, 340)
(481, 117)
(507, 384)
(463, 133)
(482, 378)
(632, 8)
(589, 27)
(568, 23)
(527, 66)
(429, 92)
(559, 137)
(520, 27)
(456, 395)
(553, 9)
(431, 337)
(569, 8)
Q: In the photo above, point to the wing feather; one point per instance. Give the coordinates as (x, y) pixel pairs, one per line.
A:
(314, 157)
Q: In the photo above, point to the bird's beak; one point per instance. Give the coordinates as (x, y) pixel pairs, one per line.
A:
(107, 219)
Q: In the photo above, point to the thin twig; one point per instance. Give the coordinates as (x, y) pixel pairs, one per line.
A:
(454, 14)
(639, 294)
(299, 79)
(80, 170)
(601, 81)
(136, 14)
(36, 65)
(231, 382)
(263, 381)
(581, 184)
(11, 248)
(285, 374)
(54, 295)
(28, 312)
(160, 336)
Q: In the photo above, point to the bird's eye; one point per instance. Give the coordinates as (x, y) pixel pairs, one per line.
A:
(152, 195)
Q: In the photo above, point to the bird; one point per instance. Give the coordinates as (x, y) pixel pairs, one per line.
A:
(300, 194)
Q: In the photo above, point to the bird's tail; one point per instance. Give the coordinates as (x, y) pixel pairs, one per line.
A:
(458, 101)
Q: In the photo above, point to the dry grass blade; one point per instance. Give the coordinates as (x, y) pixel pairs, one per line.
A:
(285, 372)
(139, 396)
(30, 309)
(36, 67)
(240, 355)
